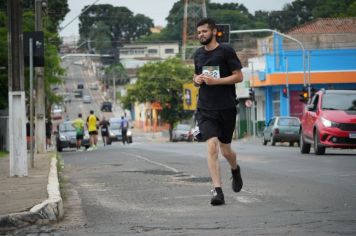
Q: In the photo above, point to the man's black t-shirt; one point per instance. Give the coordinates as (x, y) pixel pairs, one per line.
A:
(218, 63)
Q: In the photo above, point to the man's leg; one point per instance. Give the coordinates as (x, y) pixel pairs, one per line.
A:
(213, 161)
(214, 169)
(230, 156)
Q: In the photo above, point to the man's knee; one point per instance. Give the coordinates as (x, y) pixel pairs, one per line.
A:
(213, 146)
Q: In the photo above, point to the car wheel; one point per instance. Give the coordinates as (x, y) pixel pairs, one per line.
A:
(273, 141)
(304, 147)
(318, 149)
(264, 141)
(291, 144)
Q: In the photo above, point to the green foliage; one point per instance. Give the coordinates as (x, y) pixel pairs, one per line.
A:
(120, 24)
(3, 154)
(116, 71)
(161, 82)
(53, 71)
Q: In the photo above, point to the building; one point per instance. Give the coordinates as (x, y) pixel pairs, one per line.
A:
(280, 73)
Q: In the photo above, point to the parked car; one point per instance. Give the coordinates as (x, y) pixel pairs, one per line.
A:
(80, 86)
(282, 129)
(57, 112)
(94, 86)
(182, 132)
(115, 131)
(86, 99)
(329, 121)
(106, 106)
(66, 136)
(78, 93)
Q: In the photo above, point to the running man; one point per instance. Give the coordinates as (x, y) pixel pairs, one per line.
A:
(79, 124)
(217, 70)
(104, 126)
(92, 124)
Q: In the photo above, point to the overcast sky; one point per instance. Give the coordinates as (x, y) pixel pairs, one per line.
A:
(157, 10)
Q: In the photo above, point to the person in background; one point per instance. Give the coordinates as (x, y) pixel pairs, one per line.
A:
(92, 124)
(78, 124)
(124, 125)
(49, 128)
(104, 126)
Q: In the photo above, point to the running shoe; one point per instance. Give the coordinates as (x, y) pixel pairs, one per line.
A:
(217, 199)
(236, 179)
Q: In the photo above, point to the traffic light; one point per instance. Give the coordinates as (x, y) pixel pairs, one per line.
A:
(223, 33)
(251, 93)
(304, 96)
(285, 92)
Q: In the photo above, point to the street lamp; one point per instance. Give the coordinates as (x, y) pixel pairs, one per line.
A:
(283, 35)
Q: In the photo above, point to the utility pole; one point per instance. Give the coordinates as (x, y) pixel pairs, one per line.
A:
(17, 108)
(40, 88)
(194, 10)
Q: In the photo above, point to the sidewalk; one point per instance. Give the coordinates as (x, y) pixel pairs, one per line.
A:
(32, 199)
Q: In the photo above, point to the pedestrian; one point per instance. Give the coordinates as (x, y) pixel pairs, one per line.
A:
(124, 125)
(79, 124)
(217, 70)
(49, 127)
(92, 124)
(104, 126)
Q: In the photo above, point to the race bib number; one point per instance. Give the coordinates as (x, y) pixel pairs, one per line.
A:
(212, 71)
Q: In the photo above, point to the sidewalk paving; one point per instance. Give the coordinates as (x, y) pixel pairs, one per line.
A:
(31, 199)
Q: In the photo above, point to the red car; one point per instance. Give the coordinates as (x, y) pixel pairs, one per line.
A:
(329, 121)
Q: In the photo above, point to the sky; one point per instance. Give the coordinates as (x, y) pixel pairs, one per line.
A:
(157, 10)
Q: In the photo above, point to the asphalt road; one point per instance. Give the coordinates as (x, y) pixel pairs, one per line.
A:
(150, 188)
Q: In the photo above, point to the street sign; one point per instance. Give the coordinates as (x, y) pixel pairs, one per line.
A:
(248, 103)
(38, 48)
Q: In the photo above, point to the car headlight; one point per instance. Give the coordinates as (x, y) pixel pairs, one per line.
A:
(328, 123)
(62, 137)
(129, 133)
(111, 133)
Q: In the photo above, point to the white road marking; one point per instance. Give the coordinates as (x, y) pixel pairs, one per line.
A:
(188, 196)
(245, 199)
(154, 162)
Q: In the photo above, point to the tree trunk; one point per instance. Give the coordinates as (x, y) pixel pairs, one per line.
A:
(170, 132)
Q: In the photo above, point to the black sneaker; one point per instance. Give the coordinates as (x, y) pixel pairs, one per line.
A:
(217, 199)
(236, 179)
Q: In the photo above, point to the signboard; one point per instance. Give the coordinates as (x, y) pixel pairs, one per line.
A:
(190, 96)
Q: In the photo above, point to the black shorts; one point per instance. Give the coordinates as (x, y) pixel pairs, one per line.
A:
(104, 133)
(95, 132)
(80, 136)
(217, 123)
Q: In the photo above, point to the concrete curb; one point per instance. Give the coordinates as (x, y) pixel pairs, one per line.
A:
(49, 210)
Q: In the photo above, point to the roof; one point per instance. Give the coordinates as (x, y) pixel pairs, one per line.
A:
(327, 26)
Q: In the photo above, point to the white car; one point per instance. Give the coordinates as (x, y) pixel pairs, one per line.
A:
(86, 99)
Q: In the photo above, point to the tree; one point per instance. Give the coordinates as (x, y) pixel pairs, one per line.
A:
(162, 82)
(123, 24)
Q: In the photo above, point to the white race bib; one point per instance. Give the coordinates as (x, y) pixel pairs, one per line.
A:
(212, 71)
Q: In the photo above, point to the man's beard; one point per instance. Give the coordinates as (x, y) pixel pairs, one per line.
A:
(207, 41)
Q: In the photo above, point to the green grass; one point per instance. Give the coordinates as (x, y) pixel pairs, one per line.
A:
(3, 154)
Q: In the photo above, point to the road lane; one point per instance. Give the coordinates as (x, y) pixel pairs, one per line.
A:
(163, 189)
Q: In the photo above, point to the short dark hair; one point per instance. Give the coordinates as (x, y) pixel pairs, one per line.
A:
(80, 115)
(209, 21)
(91, 112)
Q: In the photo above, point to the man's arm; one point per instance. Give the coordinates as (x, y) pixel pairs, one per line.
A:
(198, 79)
(236, 77)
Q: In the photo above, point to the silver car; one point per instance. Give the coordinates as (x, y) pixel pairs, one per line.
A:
(282, 129)
(182, 132)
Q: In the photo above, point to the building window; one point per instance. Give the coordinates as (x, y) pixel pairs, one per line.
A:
(169, 51)
(152, 51)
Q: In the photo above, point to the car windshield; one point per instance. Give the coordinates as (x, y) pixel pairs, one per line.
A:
(183, 127)
(345, 101)
(65, 127)
(288, 122)
(115, 125)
